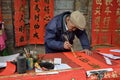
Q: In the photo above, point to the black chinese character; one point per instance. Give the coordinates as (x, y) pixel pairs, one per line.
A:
(36, 26)
(36, 17)
(36, 35)
(21, 39)
(37, 8)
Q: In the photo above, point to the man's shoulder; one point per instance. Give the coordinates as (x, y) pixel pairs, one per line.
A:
(66, 12)
(63, 13)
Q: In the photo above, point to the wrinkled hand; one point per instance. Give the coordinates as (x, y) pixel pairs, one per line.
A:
(67, 45)
(86, 51)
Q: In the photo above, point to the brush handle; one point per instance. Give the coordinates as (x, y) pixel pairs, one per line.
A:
(72, 50)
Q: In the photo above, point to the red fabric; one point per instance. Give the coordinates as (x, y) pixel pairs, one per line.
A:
(67, 75)
(105, 22)
(10, 69)
(41, 13)
(77, 74)
(116, 38)
(87, 62)
(107, 50)
(97, 60)
(104, 37)
(19, 23)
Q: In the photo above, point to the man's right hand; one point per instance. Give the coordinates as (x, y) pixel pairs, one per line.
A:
(67, 45)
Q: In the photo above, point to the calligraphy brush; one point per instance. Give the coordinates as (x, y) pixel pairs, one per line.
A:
(72, 50)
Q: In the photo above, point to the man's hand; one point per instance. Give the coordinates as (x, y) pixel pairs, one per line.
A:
(67, 45)
(86, 51)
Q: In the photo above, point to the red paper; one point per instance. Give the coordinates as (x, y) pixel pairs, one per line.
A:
(105, 22)
(10, 69)
(107, 50)
(19, 23)
(41, 14)
(86, 61)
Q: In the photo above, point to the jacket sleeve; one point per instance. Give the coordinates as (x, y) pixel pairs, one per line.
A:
(83, 39)
(50, 36)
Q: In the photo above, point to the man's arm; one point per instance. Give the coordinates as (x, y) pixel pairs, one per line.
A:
(50, 37)
(84, 42)
(82, 36)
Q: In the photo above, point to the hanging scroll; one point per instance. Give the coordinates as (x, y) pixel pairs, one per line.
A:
(41, 12)
(116, 28)
(106, 22)
(19, 23)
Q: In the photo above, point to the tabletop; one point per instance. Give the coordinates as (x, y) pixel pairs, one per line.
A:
(79, 66)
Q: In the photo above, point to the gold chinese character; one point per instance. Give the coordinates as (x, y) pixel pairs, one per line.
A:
(107, 10)
(99, 2)
(97, 11)
(118, 1)
(108, 2)
(106, 21)
(97, 21)
(118, 11)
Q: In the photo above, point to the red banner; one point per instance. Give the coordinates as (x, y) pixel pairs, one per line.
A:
(19, 23)
(85, 61)
(9, 69)
(105, 22)
(41, 12)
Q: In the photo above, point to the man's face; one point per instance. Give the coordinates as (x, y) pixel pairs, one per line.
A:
(71, 26)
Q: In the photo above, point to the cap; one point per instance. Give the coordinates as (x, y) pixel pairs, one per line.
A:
(78, 19)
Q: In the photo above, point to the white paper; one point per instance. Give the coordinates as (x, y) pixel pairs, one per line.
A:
(61, 67)
(57, 67)
(9, 57)
(110, 55)
(115, 50)
(3, 64)
(57, 60)
(38, 70)
(105, 69)
(108, 61)
(47, 73)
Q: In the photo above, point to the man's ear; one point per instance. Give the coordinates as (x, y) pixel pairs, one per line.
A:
(67, 18)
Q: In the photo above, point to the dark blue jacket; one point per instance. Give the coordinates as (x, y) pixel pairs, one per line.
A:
(54, 39)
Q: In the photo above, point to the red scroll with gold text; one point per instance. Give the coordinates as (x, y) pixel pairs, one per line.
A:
(106, 22)
(41, 11)
(19, 23)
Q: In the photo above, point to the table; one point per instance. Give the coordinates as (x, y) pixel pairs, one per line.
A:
(75, 74)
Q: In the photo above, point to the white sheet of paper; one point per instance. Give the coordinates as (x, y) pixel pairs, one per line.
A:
(108, 61)
(47, 73)
(3, 64)
(115, 50)
(110, 55)
(57, 60)
(61, 67)
(9, 57)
